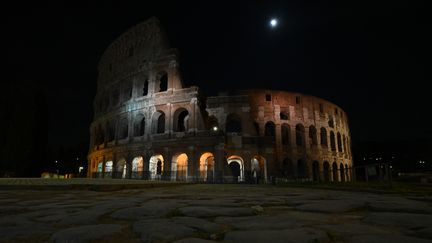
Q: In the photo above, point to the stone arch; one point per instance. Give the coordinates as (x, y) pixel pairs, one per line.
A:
(259, 167)
(347, 173)
(137, 167)
(121, 168)
(108, 169)
(324, 137)
(313, 135)
(342, 172)
(179, 167)
(233, 123)
(139, 126)
(180, 120)
(302, 169)
(162, 81)
(145, 87)
(213, 123)
(156, 166)
(236, 165)
(339, 142)
(326, 171)
(288, 168)
(270, 130)
(110, 131)
(332, 141)
(158, 122)
(315, 171)
(285, 134)
(123, 129)
(344, 144)
(335, 171)
(300, 135)
(206, 167)
(284, 115)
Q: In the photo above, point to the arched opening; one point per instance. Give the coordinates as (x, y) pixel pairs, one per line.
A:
(236, 166)
(145, 88)
(121, 169)
(339, 142)
(179, 167)
(285, 133)
(123, 129)
(313, 135)
(315, 171)
(326, 171)
(233, 124)
(108, 169)
(284, 115)
(162, 77)
(99, 169)
(257, 128)
(302, 170)
(300, 133)
(270, 130)
(181, 117)
(335, 172)
(342, 172)
(139, 126)
(323, 137)
(137, 167)
(213, 123)
(156, 167)
(158, 122)
(344, 143)
(287, 168)
(259, 168)
(332, 141)
(110, 131)
(206, 167)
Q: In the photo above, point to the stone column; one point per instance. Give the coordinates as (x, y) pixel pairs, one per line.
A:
(219, 162)
(166, 174)
(146, 167)
(192, 164)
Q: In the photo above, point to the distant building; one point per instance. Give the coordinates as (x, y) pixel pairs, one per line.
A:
(147, 125)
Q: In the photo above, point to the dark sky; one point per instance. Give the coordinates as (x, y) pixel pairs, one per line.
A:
(370, 58)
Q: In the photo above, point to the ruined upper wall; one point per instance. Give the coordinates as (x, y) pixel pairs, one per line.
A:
(138, 49)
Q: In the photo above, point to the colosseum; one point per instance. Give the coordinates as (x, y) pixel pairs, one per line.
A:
(148, 125)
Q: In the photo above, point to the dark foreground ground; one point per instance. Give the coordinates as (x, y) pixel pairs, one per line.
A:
(168, 212)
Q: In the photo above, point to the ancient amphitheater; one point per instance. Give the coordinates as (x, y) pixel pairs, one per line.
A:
(148, 125)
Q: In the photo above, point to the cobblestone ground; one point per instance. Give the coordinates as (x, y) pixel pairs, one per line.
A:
(205, 213)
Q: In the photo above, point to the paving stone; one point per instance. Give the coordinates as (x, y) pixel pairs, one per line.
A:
(393, 238)
(23, 230)
(330, 206)
(86, 233)
(200, 211)
(193, 240)
(258, 222)
(352, 229)
(158, 230)
(276, 236)
(159, 208)
(425, 233)
(400, 219)
(399, 205)
(197, 223)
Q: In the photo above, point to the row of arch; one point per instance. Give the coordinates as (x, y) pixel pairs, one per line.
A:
(337, 172)
(338, 142)
(158, 121)
(179, 168)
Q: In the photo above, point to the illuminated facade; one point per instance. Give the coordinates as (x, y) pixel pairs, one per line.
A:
(147, 125)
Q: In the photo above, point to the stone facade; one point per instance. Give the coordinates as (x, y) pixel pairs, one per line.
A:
(147, 125)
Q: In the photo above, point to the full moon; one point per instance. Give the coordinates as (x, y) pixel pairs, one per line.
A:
(273, 23)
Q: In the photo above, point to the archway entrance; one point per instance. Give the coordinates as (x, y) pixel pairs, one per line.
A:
(302, 170)
(156, 167)
(108, 169)
(259, 168)
(206, 167)
(137, 167)
(326, 170)
(179, 167)
(121, 168)
(236, 165)
(99, 169)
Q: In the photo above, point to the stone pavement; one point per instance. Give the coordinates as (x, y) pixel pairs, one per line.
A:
(210, 213)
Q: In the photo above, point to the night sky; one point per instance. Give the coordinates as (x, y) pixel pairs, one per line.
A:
(369, 58)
